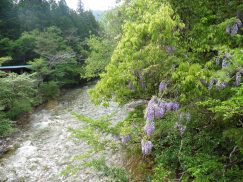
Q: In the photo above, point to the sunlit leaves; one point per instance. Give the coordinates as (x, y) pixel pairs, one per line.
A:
(139, 48)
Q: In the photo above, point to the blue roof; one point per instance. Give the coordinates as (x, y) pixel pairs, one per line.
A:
(15, 67)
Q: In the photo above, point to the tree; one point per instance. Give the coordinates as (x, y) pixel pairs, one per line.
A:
(9, 24)
(80, 8)
(101, 50)
(34, 14)
(187, 55)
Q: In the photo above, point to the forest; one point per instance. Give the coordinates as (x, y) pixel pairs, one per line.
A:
(50, 37)
(182, 59)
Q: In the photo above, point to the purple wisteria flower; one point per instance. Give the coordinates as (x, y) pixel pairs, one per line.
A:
(173, 67)
(234, 29)
(225, 63)
(221, 85)
(153, 101)
(142, 82)
(181, 128)
(169, 106)
(157, 108)
(188, 117)
(162, 105)
(217, 61)
(227, 55)
(149, 128)
(146, 147)
(238, 78)
(126, 139)
(150, 115)
(117, 137)
(180, 116)
(131, 86)
(228, 30)
(239, 23)
(162, 87)
(170, 49)
(175, 106)
(212, 82)
(159, 112)
(203, 82)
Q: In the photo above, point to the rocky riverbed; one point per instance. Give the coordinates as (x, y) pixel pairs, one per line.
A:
(42, 150)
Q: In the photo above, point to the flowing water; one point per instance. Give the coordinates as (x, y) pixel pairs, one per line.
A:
(45, 148)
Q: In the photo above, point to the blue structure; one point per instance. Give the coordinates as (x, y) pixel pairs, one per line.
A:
(17, 69)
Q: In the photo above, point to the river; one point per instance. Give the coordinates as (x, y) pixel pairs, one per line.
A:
(45, 147)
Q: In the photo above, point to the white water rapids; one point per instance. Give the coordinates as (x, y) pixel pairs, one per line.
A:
(45, 147)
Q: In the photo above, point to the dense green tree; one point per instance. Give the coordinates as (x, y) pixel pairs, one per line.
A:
(188, 52)
(9, 24)
(48, 35)
(101, 50)
(33, 14)
(17, 95)
(22, 49)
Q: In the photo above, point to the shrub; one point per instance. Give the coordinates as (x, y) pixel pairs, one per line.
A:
(49, 90)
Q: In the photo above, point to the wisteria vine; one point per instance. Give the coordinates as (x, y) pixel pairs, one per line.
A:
(156, 109)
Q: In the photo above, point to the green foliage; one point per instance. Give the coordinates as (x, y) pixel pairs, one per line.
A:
(102, 124)
(19, 107)
(49, 36)
(67, 75)
(198, 60)
(49, 90)
(18, 95)
(5, 126)
(93, 133)
(114, 173)
(9, 24)
(140, 50)
(5, 47)
(23, 48)
(101, 50)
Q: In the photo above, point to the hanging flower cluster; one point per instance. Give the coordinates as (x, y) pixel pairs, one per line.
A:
(156, 109)
(170, 49)
(162, 87)
(131, 86)
(238, 78)
(142, 82)
(186, 116)
(235, 28)
(126, 139)
(181, 128)
(211, 83)
(149, 128)
(221, 85)
(217, 61)
(146, 147)
(225, 61)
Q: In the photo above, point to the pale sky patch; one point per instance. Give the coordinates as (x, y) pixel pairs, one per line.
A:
(92, 4)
